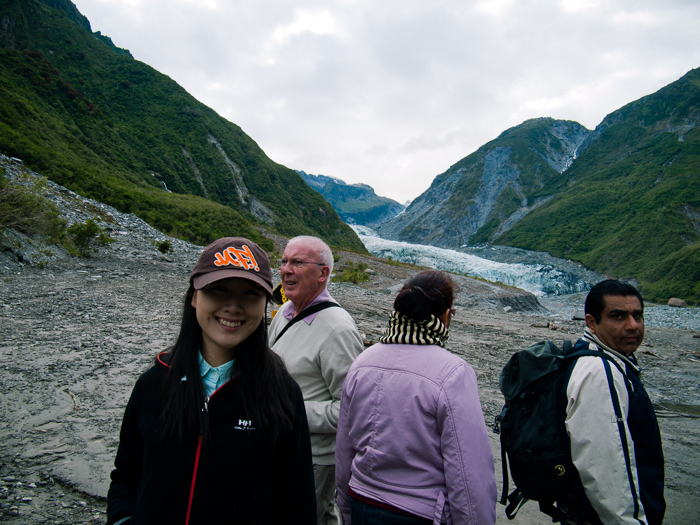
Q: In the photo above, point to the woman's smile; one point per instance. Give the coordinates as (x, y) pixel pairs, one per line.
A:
(230, 324)
(228, 311)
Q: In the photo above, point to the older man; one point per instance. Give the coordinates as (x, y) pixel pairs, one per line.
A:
(318, 341)
(615, 438)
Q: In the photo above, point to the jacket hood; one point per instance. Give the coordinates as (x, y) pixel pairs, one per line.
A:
(163, 358)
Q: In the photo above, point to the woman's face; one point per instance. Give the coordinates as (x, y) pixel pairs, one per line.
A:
(228, 311)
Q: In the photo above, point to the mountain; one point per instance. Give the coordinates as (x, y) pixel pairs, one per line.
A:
(487, 192)
(631, 207)
(83, 112)
(355, 203)
(623, 199)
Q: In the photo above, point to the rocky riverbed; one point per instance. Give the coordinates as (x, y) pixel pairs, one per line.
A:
(76, 333)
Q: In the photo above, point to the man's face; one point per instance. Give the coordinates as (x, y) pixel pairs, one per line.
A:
(621, 325)
(302, 282)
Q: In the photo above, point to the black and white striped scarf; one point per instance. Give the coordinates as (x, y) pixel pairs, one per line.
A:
(403, 330)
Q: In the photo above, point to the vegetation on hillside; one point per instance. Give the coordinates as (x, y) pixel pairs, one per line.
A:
(84, 113)
(87, 237)
(23, 208)
(352, 273)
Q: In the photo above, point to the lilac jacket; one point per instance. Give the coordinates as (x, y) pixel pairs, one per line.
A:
(412, 434)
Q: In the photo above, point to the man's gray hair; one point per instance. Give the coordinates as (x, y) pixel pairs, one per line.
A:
(325, 254)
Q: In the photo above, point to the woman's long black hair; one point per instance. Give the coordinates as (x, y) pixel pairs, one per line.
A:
(262, 381)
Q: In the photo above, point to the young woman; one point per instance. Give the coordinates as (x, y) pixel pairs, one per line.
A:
(412, 445)
(215, 431)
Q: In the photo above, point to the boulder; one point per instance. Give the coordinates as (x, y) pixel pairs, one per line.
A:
(578, 315)
(674, 301)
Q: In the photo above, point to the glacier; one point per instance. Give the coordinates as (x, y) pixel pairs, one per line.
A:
(554, 282)
(539, 279)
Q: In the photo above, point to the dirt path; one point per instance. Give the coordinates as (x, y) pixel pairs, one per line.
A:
(75, 336)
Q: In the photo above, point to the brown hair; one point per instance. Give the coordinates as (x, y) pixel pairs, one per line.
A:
(426, 293)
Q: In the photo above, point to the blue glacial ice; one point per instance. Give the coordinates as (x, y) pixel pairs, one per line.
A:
(538, 279)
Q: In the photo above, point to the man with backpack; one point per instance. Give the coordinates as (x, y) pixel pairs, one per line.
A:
(578, 429)
(615, 438)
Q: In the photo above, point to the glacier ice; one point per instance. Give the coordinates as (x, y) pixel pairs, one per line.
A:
(538, 279)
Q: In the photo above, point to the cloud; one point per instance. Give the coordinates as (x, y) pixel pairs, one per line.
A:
(392, 93)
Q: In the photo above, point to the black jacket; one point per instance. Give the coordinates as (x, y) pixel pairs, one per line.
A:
(236, 477)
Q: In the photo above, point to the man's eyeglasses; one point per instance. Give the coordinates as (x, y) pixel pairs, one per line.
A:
(296, 263)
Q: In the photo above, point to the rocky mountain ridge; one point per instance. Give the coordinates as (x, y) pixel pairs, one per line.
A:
(93, 119)
(487, 192)
(355, 203)
(621, 199)
(631, 196)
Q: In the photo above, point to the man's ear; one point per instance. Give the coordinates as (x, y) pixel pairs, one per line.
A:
(325, 274)
(590, 323)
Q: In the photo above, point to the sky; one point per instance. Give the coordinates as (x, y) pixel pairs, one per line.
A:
(391, 93)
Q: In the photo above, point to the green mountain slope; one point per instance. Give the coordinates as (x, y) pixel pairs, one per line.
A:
(632, 207)
(87, 115)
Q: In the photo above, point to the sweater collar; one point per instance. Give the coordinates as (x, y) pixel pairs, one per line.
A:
(324, 296)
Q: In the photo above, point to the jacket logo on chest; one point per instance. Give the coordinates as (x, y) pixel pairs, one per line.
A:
(245, 424)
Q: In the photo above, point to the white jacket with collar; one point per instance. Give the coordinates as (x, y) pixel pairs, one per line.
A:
(606, 461)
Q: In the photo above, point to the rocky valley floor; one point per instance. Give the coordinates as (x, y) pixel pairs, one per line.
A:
(76, 333)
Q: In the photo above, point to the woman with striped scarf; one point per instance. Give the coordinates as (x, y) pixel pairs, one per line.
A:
(412, 445)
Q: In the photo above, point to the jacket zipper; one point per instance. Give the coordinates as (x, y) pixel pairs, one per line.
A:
(196, 459)
(196, 466)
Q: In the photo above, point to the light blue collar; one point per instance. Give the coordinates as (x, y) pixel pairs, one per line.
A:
(214, 377)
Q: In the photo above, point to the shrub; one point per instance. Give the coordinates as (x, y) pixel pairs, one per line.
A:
(25, 209)
(87, 236)
(352, 273)
(164, 246)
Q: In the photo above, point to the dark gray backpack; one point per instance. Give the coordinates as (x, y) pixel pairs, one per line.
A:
(534, 441)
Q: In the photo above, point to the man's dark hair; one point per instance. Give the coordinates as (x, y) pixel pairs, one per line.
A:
(595, 302)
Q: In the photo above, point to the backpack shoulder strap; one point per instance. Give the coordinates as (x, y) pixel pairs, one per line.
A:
(568, 346)
(606, 359)
(596, 353)
(305, 313)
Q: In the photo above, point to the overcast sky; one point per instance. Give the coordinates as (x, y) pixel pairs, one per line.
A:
(391, 93)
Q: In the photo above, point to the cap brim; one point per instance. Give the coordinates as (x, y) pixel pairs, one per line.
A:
(200, 281)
